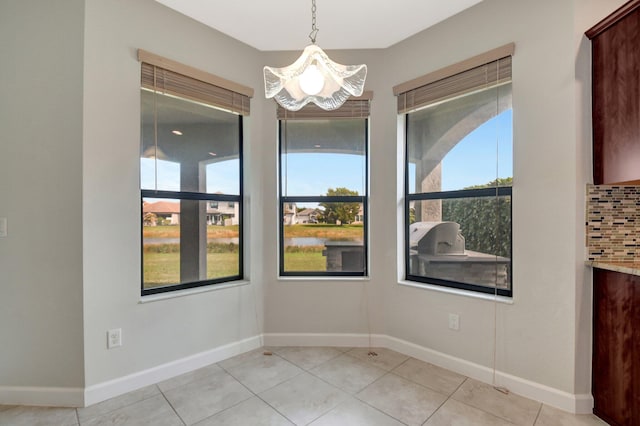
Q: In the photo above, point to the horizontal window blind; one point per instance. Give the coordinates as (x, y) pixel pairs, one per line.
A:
(174, 83)
(438, 86)
(352, 108)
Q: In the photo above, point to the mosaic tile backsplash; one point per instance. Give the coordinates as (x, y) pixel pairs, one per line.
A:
(613, 223)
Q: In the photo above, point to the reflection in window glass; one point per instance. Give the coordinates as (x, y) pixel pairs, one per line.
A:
(223, 177)
(168, 171)
(188, 136)
(322, 154)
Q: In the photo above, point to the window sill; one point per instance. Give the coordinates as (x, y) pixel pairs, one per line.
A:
(188, 292)
(458, 292)
(321, 278)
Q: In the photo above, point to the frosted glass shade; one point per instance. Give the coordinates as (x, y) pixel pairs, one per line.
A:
(340, 81)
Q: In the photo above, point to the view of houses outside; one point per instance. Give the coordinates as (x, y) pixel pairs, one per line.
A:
(306, 235)
(313, 229)
(161, 241)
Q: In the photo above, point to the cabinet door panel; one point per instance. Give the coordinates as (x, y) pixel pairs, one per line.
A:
(615, 361)
(616, 102)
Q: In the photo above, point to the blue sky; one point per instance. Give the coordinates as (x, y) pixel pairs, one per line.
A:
(313, 174)
(477, 159)
(221, 176)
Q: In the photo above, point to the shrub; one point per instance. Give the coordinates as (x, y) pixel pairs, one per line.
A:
(303, 249)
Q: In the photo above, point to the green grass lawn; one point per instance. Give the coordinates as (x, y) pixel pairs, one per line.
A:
(173, 231)
(162, 261)
(307, 260)
(164, 268)
(321, 230)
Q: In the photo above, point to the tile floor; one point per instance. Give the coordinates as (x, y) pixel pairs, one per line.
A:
(309, 386)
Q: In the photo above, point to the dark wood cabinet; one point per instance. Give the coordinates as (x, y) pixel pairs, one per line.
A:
(616, 96)
(616, 159)
(616, 347)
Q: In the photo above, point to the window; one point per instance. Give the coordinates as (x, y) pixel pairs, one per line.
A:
(458, 178)
(323, 190)
(190, 178)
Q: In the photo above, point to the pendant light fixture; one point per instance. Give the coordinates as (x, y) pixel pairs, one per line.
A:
(313, 77)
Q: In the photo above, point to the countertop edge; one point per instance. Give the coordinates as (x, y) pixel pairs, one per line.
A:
(625, 268)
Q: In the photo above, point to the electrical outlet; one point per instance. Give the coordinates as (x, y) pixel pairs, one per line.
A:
(454, 322)
(114, 338)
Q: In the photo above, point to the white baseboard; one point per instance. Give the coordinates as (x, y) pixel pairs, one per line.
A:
(323, 339)
(78, 397)
(578, 404)
(42, 396)
(103, 391)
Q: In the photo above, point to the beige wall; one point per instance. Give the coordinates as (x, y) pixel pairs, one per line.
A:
(41, 193)
(162, 331)
(63, 286)
(544, 335)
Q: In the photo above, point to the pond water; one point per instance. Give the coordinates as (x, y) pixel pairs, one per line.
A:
(299, 241)
(304, 241)
(177, 240)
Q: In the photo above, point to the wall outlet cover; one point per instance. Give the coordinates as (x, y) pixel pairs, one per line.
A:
(454, 322)
(114, 338)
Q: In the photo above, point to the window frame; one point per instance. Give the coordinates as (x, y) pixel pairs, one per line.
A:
(191, 84)
(434, 88)
(207, 197)
(284, 200)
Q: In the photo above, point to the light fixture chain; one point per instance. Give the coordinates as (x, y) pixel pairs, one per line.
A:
(314, 29)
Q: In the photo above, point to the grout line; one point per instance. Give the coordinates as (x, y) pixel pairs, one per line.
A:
(371, 384)
(379, 410)
(225, 409)
(171, 405)
(427, 386)
(77, 417)
(490, 413)
(268, 405)
(119, 407)
(538, 415)
(403, 363)
(279, 383)
(275, 409)
(374, 407)
(450, 396)
(253, 394)
(459, 386)
(436, 410)
(194, 379)
(329, 410)
(315, 366)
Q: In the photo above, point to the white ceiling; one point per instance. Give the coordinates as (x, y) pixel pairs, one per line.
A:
(343, 24)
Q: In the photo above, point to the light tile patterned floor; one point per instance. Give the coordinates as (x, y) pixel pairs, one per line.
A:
(309, 386)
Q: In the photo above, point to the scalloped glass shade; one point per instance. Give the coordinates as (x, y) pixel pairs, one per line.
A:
(340, 81)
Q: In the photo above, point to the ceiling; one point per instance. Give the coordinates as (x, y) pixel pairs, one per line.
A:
(343, 24)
